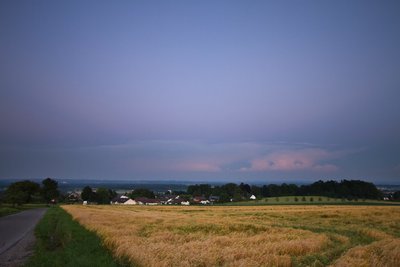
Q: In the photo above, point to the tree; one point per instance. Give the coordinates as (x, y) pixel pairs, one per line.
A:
(103, 196)
(232, 190)
(274, 190)
(224, 197)
(17, 197)
(245, 189)
(200, 190)
(21, 192)
(142, 192)
(396, 196)
(113, 193)
(345, 188)
(256, 190)
(49, 190)
(87, 194)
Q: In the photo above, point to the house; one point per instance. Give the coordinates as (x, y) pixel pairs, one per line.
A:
(253, 197)
(174, 201)
(213, 199)
(185, 203)
(163, 199)
(147, 201)
(119, 199)
(170, 199)
(130, 202)
(73, 197)
(199, 199)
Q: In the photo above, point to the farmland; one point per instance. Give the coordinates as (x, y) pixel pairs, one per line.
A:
(247, 235)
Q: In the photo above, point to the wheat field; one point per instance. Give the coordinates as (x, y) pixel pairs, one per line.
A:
(247, 236)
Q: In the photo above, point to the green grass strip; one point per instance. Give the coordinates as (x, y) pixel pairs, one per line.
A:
(61, 241)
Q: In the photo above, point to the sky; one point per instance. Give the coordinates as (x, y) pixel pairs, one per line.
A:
(200, 90)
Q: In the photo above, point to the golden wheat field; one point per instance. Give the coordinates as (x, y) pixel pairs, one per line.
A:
(247, 236)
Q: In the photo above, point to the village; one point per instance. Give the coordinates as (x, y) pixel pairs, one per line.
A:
(167, 200)
(159, 199)
(206, 194)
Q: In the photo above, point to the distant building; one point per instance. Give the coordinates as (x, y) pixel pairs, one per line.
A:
(205, 202)
(74, 197)
(119, 199)
(130, 202)
(199, 199)
(147, 201)
(213, 199)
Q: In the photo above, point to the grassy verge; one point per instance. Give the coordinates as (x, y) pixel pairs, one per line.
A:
(62, 241)
(7, 209)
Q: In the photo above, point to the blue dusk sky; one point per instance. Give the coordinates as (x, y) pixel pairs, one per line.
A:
(200, 90)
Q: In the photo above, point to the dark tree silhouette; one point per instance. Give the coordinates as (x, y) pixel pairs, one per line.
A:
(49, 190)
(21, 192)
(87, 194)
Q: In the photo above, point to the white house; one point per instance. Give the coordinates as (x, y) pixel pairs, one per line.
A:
(130, 202)
(119, 200)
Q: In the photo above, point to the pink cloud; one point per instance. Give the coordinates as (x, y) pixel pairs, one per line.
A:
(193, 157)
(296, 160)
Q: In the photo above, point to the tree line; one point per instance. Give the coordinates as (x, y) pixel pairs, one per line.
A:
(350, 189)
(23, 192)
(101, 195)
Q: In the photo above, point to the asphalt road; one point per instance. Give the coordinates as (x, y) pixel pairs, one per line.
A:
(17, 236)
